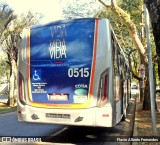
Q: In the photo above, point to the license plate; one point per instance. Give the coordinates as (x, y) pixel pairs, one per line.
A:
(53, 115)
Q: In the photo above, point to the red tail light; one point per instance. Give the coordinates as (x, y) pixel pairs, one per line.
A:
(104, 97)
(103, 89)
(21, 89)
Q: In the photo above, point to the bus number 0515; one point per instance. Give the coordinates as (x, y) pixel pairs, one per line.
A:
(76, 72)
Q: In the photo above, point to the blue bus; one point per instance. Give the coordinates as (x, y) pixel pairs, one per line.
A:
(72, 72)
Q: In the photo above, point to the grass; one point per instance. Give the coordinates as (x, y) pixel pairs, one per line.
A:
(4, 108)
(7, 109)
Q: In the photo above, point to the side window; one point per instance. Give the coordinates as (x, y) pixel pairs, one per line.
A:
(126, 72)
(115, 58)
(115, 52)
(121, 65)
(119, 62)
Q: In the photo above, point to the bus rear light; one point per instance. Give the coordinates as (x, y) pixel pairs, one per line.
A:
(21, 89)
(104, 97)
(19, 112)
(105, 115)
(103, 89)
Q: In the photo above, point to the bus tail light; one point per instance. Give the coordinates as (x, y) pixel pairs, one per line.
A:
(21, 89)
(105, 115)
(103, 90)
(104, 97)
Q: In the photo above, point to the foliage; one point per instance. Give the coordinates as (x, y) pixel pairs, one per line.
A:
(80, 9)
(3, 68)
(133, 8)
(12, 33)
(6, 16)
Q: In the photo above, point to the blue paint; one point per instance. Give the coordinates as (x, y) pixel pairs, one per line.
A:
(54, 49)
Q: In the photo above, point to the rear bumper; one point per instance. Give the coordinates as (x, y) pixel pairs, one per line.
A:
(79, 117)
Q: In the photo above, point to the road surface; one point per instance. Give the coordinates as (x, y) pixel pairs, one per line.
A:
(10, 126)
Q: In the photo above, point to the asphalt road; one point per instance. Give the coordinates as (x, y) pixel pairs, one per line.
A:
(10, 126)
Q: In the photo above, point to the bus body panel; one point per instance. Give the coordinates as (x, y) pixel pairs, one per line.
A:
(104, 66)
(83, 117)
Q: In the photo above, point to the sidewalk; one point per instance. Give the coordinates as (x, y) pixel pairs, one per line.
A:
(3, 93)
(3, 99)
(143, 122)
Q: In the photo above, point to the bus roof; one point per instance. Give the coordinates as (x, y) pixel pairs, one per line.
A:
(64, 21)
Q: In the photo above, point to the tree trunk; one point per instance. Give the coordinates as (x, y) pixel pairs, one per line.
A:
(12, 57)
(146, 101)
(11, 89)
(12, 100)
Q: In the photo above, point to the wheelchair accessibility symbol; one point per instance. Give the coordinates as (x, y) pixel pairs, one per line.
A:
(36, 75)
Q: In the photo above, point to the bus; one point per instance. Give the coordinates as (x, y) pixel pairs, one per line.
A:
(72, 72)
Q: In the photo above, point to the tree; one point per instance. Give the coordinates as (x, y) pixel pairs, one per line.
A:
(125, 17)
(10, 41)
(6, 17)
(3, 66)
(154, 11)
(79, 9)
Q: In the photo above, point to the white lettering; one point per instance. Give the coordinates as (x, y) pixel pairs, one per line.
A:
(121, 139)
(76, 72)
(81, 86)
(57, 49)
(58, 31)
